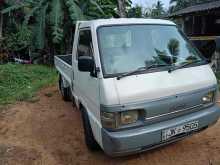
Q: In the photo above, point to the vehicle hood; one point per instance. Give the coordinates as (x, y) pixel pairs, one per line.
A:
(151, 86)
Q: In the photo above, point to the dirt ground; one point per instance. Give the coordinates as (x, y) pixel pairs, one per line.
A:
(49, 131)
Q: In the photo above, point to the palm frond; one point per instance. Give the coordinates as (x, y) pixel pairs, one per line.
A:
(74, 10)
(12, 8)
(33, 9)
(57, 35)
(39, 28)
(56, 19)
(97, 6)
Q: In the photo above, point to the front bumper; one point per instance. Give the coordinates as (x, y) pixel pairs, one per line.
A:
(148, 137)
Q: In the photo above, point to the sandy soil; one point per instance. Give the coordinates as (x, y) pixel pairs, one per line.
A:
(49, 132)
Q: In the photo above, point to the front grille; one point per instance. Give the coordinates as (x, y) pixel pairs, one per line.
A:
(178, 112)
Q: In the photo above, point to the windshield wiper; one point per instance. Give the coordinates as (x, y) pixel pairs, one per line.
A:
(183, 65)
(141, 69)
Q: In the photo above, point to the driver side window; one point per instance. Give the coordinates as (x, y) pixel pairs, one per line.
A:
(85, 44)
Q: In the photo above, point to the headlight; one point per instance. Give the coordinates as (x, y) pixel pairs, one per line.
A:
(117, 119)
(108, 119)
(208, 98)
(128, 117)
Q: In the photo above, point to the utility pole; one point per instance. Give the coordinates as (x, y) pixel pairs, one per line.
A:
(122, 8)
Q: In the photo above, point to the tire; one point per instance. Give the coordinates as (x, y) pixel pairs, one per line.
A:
(65, 92)
(88, 134)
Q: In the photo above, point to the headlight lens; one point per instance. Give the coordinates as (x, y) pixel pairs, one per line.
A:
(128, 117)
(116, 119)
(208, 98)
(109, 119)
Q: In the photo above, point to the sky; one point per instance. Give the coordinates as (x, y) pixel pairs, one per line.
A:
(148, 3)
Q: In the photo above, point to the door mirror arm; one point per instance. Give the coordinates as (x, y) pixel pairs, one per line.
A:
(95, 72)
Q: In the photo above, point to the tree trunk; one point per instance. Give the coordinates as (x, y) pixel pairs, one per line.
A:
(1, 24)
(121, 8)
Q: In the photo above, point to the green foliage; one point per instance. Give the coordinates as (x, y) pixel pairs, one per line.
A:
(157, 10)
(20, 82)
(15, 6)
(135, 12)
(74, 11)
(109, 6)
(51, 21)
(31, 9)
(91, 9)
(20, 39)
(56, 18)
(51, 13)
(217, 74)
(96, 5)
(39, 28)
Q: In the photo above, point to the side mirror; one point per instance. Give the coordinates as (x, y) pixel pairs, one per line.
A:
(86, 64)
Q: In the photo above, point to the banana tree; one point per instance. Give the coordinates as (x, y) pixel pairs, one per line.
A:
(44, 15)
(1, 18)
(1, 24)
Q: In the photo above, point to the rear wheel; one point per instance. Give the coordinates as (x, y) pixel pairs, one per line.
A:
(65, 92)
(89, 137)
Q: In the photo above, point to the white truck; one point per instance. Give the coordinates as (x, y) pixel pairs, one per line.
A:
(139, 84)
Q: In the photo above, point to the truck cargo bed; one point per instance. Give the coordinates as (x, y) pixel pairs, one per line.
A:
(66, 58)
(63, 64)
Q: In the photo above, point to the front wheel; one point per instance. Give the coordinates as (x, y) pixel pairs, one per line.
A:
(89, 138)
(65, 92)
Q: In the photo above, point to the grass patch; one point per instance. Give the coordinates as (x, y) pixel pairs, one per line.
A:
(21, 82)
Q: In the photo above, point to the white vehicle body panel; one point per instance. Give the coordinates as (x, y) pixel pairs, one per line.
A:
(152, 86)
(87, 94)
(65, 70)
(91, 92)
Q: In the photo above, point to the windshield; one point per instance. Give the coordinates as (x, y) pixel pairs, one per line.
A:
(126, 48)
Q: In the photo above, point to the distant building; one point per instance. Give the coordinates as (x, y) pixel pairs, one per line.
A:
(201, 23)
(199, 20)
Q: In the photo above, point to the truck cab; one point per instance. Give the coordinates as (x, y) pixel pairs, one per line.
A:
(139, 84)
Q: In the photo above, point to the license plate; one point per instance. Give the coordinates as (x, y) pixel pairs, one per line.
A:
(181, 129)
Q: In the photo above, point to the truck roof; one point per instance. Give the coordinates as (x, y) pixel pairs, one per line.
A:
(116, 21)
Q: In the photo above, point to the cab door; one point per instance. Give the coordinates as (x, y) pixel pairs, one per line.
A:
(86, 85)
